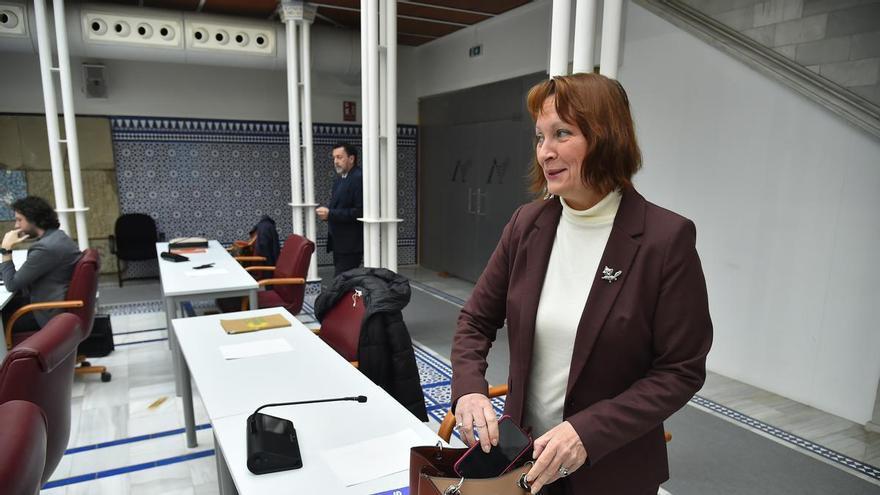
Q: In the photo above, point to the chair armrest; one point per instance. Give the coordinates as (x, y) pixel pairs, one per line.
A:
(250, 258)
(112, 241)
(281, 281)
(260, 268)
(27, 308)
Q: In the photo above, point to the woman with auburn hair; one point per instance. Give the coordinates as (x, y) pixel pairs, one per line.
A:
(605, 303)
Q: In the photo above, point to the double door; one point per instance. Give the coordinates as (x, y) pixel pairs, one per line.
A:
(474, 177)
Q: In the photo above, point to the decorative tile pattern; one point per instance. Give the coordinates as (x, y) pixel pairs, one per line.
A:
(831, 455)
(215, 178)
(13, 186)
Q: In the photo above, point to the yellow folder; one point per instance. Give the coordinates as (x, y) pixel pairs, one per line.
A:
(253, 324)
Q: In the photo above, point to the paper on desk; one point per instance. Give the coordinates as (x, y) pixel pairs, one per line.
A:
(372, 459)
(205, 272)
(253, 349)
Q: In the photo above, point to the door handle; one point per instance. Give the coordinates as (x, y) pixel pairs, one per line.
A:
(470, 201)
(480, 196)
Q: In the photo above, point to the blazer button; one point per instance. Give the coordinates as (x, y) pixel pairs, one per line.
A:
(570, 403)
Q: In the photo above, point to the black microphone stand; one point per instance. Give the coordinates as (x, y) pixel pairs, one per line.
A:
(272, 445)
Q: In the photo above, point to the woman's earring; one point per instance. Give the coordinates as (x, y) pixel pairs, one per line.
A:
(547, 194)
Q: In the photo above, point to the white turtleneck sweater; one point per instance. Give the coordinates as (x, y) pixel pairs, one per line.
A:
(577, 250)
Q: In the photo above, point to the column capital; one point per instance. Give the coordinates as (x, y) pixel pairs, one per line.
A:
(297, 11)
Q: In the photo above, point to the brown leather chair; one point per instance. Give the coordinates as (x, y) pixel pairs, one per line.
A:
(82, 296)
(23, 453)
(286, 288)
(40, 370)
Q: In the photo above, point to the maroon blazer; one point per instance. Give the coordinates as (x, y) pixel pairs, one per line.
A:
(641, 345)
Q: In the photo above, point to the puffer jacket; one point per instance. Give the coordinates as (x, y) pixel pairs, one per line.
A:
(385, 350)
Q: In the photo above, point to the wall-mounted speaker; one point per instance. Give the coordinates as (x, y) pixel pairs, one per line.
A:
(12, 20)
(94, 82)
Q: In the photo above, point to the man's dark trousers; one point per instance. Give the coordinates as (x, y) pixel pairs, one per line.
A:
(345, 262)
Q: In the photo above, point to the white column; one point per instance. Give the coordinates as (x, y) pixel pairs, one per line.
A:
(55, 157)
(371, 152)
(584, 36)
(365, 125)
(290, 13)
(70, 135)
(559, 37)
(612, 20)
(383, 129)
(389, 236)
(308, 149)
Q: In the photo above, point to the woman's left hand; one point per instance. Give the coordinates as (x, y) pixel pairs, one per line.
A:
(559, 448)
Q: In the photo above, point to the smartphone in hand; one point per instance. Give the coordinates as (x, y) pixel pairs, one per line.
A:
(513, 444)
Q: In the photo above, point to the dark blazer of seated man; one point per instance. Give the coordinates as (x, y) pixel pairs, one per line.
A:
(46, 274)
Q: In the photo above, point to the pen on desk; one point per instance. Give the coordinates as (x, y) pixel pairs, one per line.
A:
(207, 265)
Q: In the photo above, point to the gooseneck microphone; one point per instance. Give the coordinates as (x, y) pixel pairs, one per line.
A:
(272, 445)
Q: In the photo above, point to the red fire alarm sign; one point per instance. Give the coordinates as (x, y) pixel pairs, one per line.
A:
(349, 111)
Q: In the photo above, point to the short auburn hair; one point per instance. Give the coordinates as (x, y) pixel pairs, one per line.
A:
(600, 108)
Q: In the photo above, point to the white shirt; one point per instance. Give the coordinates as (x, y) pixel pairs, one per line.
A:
(577, 250)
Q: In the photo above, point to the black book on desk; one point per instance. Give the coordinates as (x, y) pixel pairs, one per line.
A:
(188, 242)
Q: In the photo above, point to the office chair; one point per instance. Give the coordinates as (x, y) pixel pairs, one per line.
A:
(286, 288)
(341, 326)
(81, 301)
(40, 370)
(23, 452)
(134, 239)
(446, 427)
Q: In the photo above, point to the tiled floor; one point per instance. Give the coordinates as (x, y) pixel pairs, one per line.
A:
(139, 411)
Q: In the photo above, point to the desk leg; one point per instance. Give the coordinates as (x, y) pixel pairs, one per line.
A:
(252, 299)
(170, 313)
(224, 478)
(189, 418)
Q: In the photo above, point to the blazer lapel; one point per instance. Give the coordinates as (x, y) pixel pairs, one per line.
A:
(537, 252)
(620, 251)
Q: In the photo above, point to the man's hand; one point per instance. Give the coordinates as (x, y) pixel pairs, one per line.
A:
(11, 239)
(323, 212)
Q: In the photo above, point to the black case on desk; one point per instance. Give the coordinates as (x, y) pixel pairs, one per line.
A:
(272, 445)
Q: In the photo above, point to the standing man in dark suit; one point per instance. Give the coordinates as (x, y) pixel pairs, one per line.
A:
(345, 234)
(45, 275)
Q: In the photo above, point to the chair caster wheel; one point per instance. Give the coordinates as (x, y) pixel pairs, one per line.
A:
(85, 364)
(105, 377)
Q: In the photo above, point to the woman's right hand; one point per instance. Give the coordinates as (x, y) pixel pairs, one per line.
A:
(474, 414)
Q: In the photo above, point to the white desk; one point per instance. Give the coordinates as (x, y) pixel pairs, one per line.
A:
(18, 258)
(232, 389)
(180, 282)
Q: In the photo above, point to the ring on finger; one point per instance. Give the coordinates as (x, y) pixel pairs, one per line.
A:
(563, 471)
(479, 426)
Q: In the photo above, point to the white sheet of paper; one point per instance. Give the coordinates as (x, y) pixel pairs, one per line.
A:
(253, 349)
(372, 459)
(204, 272)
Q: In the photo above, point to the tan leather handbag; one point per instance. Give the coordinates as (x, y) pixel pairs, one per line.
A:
(431, 473)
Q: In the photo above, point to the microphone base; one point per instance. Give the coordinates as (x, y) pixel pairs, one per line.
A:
(272, 445)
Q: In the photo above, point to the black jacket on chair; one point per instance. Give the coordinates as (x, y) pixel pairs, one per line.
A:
(385, 350)
(345, 234)
(267, 244)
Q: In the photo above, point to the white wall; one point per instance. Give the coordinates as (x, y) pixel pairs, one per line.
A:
(514, 44)
(196, 91)
(784, 195)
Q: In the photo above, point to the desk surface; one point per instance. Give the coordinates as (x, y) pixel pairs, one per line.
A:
(232, 389)
(229, 387)
(180, 279)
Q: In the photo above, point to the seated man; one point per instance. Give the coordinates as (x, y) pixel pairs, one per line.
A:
(45, 276)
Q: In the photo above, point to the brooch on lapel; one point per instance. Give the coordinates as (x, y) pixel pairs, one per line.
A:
(609, 275)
